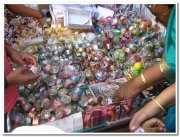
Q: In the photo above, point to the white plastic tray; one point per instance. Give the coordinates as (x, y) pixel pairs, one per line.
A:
(77, 19)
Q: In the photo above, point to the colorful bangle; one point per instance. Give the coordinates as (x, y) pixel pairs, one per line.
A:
(143, 78)
(160, 106)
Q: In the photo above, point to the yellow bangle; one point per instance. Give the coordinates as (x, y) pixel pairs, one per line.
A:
(143, 78)
(163, 67)
(161, 107)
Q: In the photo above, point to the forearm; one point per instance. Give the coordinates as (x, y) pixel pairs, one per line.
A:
(165, 98)
(8, 50)
(152, 109)
(23, 10)
(168, 95)
(152, 76)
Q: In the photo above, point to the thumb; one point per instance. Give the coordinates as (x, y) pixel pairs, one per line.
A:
(157, 129)
(135, 122)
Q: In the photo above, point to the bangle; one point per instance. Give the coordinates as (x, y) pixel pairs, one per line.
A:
(143, 78)
(163, 67)
(161, 107)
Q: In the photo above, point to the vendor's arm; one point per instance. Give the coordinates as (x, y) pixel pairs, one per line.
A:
(152, 109)
(25, 11)
(20, 58)
(130, 89)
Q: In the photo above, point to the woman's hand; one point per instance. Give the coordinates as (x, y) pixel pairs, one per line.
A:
(133, 87)
(41, 21)
(20, 76)
(153, 125)
(23, 58)
(150, 110)
(20, 58)
(126, 91)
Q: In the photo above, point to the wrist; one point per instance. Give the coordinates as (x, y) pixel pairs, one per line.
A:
(154, 108)
(140, 82)
(137, 84)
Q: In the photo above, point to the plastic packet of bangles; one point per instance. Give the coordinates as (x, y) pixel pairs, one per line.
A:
(117, 113)
(105, 90)
(37, 41)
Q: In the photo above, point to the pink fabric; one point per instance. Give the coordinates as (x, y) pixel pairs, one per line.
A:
(10, 93)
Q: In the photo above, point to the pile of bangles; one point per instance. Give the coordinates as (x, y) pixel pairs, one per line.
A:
(70, 61)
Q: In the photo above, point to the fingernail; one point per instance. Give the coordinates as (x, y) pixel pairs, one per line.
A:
(161, 129)
(132, 128)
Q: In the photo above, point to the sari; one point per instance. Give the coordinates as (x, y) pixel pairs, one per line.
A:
(168, 63)
(168, 66)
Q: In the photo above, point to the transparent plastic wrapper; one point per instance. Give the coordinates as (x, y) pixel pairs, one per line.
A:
(105, 90)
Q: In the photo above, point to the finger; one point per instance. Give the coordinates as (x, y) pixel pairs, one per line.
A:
(155, 122)
(31, 82)
(136, 121)
(155, 129)
(160, 123)
(31, 78)
(30, 60)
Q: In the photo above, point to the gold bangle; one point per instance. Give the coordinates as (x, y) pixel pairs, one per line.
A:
(161, 107)
(143, 78)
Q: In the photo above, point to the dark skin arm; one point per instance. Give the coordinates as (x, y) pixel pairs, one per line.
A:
(19, 76)
(153, 125)
(133, 87)
(20, 58)
(151, 109)
(24, 11)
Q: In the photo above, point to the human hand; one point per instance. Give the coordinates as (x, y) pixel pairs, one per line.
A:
(125, 91)
(153, 125)
(20, 76)
(41, 21)
(22, 58)
(150, 110)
